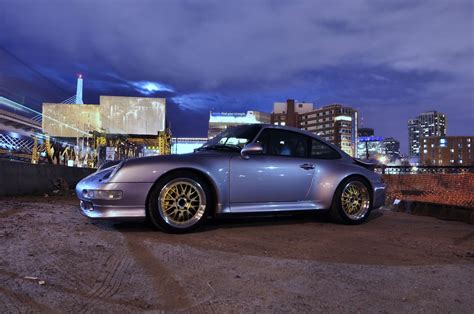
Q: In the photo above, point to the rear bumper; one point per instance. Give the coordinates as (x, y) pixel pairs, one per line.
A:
(380, 191)
(132, 204)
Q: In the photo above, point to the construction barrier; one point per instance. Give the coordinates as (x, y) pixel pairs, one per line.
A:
(455, 189)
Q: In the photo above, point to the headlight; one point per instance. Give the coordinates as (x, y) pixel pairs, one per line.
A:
(102, 194)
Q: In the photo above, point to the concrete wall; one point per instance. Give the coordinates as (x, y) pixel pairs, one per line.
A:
(18, 178)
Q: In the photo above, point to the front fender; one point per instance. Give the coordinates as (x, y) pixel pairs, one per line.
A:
(215, 167)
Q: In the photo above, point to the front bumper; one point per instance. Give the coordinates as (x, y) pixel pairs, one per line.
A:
(90, 210)
(132, 204)
(380, 191)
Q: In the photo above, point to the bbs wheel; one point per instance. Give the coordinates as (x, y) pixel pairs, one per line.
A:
(351, 203)
(179, 203)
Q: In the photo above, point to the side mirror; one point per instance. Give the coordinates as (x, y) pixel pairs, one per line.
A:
(251, 149)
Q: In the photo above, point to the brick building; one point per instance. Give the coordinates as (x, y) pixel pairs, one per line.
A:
(447, 151)
(287, 113)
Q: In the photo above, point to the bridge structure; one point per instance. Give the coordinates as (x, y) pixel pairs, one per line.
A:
(21, 135)
(17, 135)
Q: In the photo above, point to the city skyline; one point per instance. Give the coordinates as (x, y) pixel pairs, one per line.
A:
(386, 61)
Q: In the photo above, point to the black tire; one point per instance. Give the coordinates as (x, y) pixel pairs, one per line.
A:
(163, 191)
(338, 212)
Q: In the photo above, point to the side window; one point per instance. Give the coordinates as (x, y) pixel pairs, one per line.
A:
(322, 151)
(284, 143)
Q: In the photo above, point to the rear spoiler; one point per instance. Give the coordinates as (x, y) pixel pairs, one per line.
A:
(365, 164)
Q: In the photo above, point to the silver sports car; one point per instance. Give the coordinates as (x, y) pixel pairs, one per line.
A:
(245, 169)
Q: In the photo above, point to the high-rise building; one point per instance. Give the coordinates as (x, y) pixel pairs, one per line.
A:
(391, 146)
(431, 123)
(334, 123)
(219, 121)
(413, 137)
(447, 151)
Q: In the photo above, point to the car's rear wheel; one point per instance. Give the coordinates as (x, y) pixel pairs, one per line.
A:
(179, 203)
(351, 203)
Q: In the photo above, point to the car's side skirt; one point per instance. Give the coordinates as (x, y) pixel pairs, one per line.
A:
(274, 207)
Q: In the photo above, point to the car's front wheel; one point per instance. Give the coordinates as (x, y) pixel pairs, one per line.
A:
(179, 203)
(351, 203)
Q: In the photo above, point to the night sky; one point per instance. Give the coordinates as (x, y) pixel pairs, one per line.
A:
(390, 60)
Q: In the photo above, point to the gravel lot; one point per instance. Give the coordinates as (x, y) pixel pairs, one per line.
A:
(54, 260)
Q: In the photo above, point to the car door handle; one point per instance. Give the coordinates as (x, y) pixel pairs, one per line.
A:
(307, 166)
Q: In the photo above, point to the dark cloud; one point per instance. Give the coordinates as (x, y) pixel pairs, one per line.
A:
(389, 59)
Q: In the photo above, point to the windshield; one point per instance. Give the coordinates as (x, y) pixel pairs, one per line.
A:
(234, 138)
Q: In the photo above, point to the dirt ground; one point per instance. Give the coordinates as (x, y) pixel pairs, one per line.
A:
(52, 259)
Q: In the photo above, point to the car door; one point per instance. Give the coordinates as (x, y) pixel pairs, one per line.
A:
(283, 173)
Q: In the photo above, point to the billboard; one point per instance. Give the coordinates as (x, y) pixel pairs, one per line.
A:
(228, 114)
(70, 120)
(132, 115)
(114, 115)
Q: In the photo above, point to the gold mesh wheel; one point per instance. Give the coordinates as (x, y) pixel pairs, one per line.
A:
(355, 200)
(182, 203)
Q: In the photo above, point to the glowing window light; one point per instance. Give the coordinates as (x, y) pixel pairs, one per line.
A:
(342, 118)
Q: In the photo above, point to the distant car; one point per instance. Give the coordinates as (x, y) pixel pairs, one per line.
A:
(245, 169)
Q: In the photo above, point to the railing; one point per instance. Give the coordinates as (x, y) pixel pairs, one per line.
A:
(424, 169)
